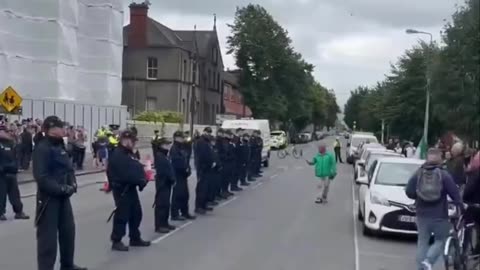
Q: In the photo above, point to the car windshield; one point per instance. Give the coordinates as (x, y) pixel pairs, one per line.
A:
(374, 156)
(277, 133)
(356, 141)
(395, 174)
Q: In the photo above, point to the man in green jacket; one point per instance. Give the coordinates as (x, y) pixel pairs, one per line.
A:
(325, 171)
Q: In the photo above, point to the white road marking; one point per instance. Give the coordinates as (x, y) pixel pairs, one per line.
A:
(299, 167)
(227, 202)
(257, 185)
(355, 231)
(273, 176)
(156, 241)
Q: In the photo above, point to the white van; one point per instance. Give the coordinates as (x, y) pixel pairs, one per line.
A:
(250, 125)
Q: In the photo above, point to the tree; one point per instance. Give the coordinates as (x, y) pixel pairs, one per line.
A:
(276, 81)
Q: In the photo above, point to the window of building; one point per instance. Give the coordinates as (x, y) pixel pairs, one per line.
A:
(152, 68)
(213, 113)
(185, 71)
(183, 105)
(218, 82)
(151, 104)
(209, 80)
(206, 113)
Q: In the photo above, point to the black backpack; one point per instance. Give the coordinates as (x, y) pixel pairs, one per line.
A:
(429, 185)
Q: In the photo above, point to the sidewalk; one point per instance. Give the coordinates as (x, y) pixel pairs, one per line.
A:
(88, 167)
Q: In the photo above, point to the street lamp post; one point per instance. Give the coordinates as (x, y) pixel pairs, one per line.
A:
(427, 102)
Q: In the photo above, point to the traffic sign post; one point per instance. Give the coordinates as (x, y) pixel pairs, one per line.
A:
(10, 101)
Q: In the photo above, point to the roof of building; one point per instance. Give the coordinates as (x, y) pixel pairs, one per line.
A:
(160, 35)
(231, 78)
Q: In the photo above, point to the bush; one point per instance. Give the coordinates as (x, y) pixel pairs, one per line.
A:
(160, 117)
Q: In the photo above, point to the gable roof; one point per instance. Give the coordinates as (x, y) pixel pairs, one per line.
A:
(161, 35)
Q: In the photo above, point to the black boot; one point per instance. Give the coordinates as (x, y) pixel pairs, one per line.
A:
(139, 243)
(171, 227)
(119, 246)
(162, 230)
(214, 203)
(208, 208)
(21, 216)
(178, 218)
(237, 189)
(245, 184)
(3, 218)
(200, 211)
(190, 217)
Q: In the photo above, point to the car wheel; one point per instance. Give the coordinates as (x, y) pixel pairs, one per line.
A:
(359, 214)
(366, 231)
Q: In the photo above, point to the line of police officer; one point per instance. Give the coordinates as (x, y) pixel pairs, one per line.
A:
(221, 164)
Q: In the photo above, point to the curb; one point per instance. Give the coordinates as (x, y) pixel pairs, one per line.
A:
(23, 182)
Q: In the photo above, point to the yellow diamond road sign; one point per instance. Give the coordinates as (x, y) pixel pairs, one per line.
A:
(10, 99)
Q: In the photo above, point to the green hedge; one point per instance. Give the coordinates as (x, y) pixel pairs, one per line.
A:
(160, 117)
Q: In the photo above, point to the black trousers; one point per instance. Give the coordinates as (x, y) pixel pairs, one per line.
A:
(242, 176)
(129, 211)
(226, 177)
(180, 197)
(235, 176)
(25, 158)
(213, 179)
(338, 155)
(9, 188)
(79, 156)
(201, 190)
(162, 206)
(56, 223)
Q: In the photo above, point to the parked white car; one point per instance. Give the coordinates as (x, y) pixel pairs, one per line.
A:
(359, 163)
(383, 205)
(355, 141)
(278, 139)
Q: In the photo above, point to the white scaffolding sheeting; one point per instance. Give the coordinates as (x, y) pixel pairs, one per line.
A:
(62, 49)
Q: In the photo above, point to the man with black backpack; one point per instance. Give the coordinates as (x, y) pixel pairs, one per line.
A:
(429, 187)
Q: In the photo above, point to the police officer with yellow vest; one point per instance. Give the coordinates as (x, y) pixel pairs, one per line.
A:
(156, 139)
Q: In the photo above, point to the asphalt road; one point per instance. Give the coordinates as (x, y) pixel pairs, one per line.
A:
(273, 225)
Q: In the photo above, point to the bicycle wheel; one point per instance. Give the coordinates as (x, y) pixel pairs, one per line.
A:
(452, 255)
(281, 153)
(297, 153)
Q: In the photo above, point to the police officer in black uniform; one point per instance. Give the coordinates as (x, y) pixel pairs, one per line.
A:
(206, 165)
(252, 166)
(213, 176)
(182, 169)
(164, 180)
(218, 185)
(154, 142)
(8, 176)
(188, 143)
(126, 174)
(244, 158)
(235, 144)
(56, 183)
(231, 162)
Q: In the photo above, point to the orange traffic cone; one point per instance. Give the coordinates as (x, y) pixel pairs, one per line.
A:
(149, 174)
(106, 186)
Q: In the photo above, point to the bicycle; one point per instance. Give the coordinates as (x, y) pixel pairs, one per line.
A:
(297, 153)
(458, 252)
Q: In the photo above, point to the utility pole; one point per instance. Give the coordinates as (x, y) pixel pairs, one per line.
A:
(194, 81)
(383, 130)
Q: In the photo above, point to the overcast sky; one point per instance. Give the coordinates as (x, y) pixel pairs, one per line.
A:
(350, 42)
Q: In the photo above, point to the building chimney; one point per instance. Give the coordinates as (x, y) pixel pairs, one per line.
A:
(137, 34)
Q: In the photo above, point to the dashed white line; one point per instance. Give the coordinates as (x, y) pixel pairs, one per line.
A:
(273, 176)
(156, 241)
(257, 185)
(355, 231)
(384, 255)
(227, 202)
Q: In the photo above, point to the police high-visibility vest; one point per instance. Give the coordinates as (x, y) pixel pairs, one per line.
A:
(113, 141)
(337, 144)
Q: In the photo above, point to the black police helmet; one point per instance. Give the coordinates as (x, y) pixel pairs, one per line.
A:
(52, 122)
(128, 134)
(208, 130)
(228, 132)
(178, 134)
(164, 141)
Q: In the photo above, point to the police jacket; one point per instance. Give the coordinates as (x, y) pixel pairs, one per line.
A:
(216, 158)
(238, 151)
(180, 164)
(244, 153)
(124, 170)
(52, 168)
(220, 149)
(8, 159)
(187, 145)
(165, 176)
(472, 188)
(230, 151)
(204, 154)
